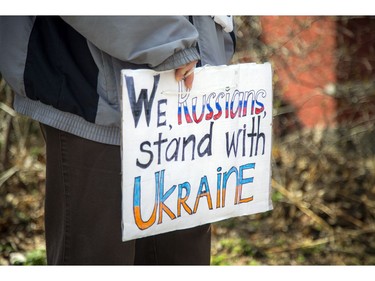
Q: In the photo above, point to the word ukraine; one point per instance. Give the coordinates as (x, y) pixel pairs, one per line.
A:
(183, 192)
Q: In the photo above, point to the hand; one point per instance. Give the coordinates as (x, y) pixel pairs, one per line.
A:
(186, 73)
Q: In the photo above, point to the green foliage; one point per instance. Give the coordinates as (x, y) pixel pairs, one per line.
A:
(230, 251)
(221, 259)
(276, 196)
(36, 257)
(33, 257)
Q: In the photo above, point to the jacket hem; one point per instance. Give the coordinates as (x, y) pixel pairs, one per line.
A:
(66, 121)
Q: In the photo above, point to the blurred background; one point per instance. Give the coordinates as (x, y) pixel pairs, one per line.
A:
(323, 155)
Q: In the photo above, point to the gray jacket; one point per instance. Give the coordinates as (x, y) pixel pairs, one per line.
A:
(65, 71)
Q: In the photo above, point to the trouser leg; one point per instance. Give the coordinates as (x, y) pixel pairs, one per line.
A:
(83, 202)
(183, 247)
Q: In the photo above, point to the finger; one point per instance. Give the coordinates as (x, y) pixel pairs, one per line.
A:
(189, 81)
(179, 74)
(182, 73)
(184, 70)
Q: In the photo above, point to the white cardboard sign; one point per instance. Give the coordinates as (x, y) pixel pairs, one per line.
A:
(191, 158)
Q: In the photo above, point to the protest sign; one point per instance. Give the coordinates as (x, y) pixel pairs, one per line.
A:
(198, 156)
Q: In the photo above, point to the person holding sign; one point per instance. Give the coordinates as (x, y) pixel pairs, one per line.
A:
(65, 72)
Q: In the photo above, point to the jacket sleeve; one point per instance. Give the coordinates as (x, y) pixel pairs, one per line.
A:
(161, 42)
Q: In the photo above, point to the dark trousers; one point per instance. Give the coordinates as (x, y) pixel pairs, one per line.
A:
(83, 211)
